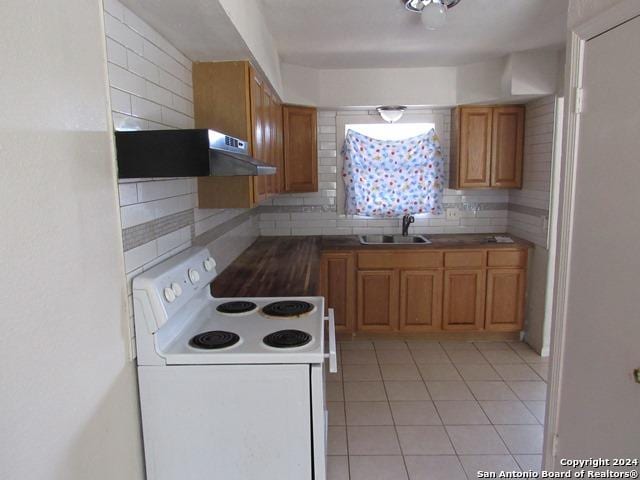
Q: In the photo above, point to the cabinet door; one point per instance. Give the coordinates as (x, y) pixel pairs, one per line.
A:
(420, 300)
(377, 300)
(300, 149)
(278, 161)
(258, 129)
(507, 147)
(505, 299)
(474, 153)
(464, 298)
(338, 287)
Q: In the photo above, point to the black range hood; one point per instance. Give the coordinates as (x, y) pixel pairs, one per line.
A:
(185, 153)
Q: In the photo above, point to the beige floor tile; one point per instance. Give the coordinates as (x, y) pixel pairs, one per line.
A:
(520, 347)
(373, 441)
(336, 413)
(522, 439)
(364, 392)
(424, 345)
(368, 413)
(335, 377)
(337, 468)
(361, 373)
(430, 356)
(509, 412)
(461, 412)
(439, 372)
(359, 357)
(484, 346)
(476, 440)
(518, 371)
(390, 345)
(377, 468)
(449, 391)
(424, 440)
(452, 346)
(436, 467)
(488, 463)
(501, 357)
(400, 372)
(356, 345)
(529, 390)
(405, 390)
(478, 372)
(337, 441)
(391, 357)
(530, 462)
(541, 369)
(531, 356)
(335, 392)
(467, 357)
(414, 413)
(484, 390)
(538, 408)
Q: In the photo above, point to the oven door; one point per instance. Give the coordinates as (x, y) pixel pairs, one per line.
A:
(320, 416)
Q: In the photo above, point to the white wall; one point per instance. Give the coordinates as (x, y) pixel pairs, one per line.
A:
(68, 409)
(151, 88)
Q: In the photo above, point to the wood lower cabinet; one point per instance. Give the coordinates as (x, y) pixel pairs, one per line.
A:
(377, 300)
(466, 290)
(421, 300)
(505, 299)
(464, 299)
(338, 287)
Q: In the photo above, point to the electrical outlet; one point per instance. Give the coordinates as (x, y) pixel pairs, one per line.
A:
(453, 213)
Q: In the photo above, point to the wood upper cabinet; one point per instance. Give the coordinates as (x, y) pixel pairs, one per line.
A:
(338, 287)
(377, 300)
(233, 98)
(300, 149)
(507, 147)
(421, 300)
(505, 299)
(487, 147)
(464, 299)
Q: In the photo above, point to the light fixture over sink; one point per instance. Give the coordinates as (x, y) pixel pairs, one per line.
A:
(433, 12)
(391, 113)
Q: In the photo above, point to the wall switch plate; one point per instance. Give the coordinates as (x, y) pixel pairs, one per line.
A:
(453, 213)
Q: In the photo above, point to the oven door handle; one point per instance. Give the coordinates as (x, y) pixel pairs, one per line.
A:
(332, 355)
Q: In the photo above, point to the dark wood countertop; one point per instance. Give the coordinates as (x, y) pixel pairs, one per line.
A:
(290, 266)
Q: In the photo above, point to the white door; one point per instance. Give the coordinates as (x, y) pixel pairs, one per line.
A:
(599, 402)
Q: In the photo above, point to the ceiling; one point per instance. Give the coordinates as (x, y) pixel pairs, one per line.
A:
(381, 33)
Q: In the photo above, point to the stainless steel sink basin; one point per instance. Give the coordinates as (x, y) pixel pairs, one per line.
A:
(393, 239)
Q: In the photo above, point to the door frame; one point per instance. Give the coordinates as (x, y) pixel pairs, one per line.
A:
(578, 36)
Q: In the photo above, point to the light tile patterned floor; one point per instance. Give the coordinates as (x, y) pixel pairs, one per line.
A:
(418, 410)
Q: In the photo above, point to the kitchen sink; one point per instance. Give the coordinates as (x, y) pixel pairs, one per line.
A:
(393, 239)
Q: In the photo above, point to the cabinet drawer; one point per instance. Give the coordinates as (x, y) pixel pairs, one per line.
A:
(509, 258)
(464, 259)
(400, 260)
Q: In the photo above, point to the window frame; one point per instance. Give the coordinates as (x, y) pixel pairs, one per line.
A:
(342, 120)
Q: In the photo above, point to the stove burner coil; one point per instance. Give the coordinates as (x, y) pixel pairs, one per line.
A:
(240, 306)
(287, 308)
(287, 339)
(214, 340)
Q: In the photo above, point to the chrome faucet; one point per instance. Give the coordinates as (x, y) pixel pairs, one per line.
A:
(406, 221)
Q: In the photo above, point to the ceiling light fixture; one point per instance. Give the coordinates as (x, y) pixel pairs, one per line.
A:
(391, 113)
(433, 12)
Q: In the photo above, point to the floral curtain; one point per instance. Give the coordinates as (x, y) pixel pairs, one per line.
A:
(393, 178)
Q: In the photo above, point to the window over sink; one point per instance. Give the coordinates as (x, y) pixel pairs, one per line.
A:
(389, 170)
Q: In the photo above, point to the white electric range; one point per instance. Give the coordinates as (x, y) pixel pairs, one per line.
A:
(230, 388)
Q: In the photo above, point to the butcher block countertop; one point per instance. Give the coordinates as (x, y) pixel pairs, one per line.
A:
(290, 266)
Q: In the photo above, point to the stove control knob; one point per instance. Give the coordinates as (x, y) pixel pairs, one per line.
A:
(209, 264)
(169, 295)
(177, 289)
(194, 276)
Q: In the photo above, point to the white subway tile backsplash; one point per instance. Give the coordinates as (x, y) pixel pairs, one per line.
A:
(127, 193)
(124, 80)
(176, 119)
(145, 109)
(173, 240)
(116, 53)
(137, 257)
(142, 67)
(120, 101)
(118, 31)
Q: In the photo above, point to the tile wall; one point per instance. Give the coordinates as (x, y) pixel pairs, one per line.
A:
(317, 213)
(151, 88)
